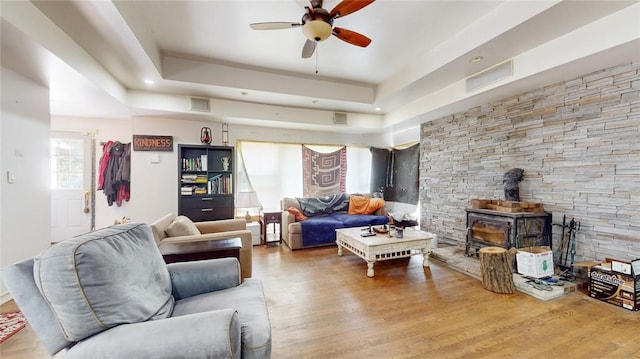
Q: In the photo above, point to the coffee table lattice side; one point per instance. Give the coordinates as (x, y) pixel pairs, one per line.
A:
(380, 247)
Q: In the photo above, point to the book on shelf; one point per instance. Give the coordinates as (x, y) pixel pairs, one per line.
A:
(188, 178)
(203, 163)
(220, 184)
(195, 164)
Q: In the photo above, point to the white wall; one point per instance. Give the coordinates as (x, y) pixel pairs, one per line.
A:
(25, 210)
(154, 185)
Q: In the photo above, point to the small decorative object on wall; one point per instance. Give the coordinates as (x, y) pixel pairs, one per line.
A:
(225, 163)
(511, 180)
(205, 135)
(225, 133)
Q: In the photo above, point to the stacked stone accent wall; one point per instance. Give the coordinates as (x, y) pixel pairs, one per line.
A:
(578, 142)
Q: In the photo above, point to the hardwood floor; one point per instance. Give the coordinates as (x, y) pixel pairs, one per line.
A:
(324, 306)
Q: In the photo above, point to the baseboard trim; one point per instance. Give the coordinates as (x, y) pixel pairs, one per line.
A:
(5, 297)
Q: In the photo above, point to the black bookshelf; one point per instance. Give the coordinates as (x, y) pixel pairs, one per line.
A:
(205, 183)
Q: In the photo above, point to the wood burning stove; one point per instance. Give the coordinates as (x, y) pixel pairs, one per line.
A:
(502, 229)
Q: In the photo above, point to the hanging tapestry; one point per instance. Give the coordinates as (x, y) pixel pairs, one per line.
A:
(398, 171)
(381, 167)
(324, 173)
(406, 172)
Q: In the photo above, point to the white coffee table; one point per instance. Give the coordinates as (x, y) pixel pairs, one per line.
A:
(382, 247)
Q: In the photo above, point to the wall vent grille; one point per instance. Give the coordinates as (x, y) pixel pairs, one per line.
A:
(339, 118)
(490, 75)
(200, 104)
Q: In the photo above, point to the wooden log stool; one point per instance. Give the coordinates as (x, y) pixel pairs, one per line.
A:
(496, 266)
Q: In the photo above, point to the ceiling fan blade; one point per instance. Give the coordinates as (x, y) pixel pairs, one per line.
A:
(308, 49)
(274, 25)
(351, 37)
(346, 7)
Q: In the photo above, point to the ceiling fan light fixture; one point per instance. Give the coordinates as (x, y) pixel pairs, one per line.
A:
(317, 30)
(317, 25)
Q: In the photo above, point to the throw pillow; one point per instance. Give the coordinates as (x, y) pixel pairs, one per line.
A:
(374, 205)
(296, 212)
(99, 280)
(358, 204)
(182, 226)
(364, 205)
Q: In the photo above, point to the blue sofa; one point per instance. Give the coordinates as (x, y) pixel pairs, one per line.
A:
(322, 221)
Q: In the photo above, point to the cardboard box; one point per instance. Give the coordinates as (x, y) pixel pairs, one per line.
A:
(535, 262)
(621, 267)
(616, 287)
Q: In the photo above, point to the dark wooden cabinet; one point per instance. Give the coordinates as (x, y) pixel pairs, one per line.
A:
(195, 251)
(206, 182)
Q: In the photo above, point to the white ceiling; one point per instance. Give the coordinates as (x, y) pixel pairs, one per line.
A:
(419, 52)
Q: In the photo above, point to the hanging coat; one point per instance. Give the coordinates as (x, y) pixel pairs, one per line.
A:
(110, 171)
(123, 176)
(106, 151)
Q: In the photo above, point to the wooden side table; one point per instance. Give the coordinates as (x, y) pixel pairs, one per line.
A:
(267, 217)
(194, 251)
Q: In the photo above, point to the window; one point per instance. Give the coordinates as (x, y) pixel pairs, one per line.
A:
(67, 163)
(275, 169)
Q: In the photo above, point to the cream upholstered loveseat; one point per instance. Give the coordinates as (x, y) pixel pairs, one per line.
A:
(168, 229)
(293, 233)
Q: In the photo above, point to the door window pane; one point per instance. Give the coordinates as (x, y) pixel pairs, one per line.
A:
(66, 163)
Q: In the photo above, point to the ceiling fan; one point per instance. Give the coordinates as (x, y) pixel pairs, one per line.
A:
(317, 24)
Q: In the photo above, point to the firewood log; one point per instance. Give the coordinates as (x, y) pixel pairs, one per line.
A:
(496, 266)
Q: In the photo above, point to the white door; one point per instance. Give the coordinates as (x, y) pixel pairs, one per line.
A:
(72, 192)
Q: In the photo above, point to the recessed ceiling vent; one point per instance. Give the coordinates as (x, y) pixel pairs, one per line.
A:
(490, 75)
(339, 118)
(200, 104)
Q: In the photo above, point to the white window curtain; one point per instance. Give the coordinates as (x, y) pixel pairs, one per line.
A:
(274, 170)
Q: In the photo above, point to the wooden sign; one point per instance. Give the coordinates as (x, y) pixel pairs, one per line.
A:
(152, 143)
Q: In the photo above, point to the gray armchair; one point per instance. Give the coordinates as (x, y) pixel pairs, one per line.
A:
(108, 294)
